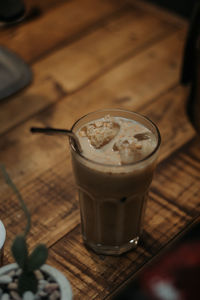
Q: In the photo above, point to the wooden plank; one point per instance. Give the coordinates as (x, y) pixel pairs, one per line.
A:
(184, 191)
(55, 185)
(33, 10)
(119, 38)
(40, 166)
(160, 12)
(131, 91)
(167, 214)
(128, 85)
(49, 196)
(75, 65)
(42, 5)
(30, 159)
(56, 26)
(165, 217)
(169, 113)
(101, 274)
(17, 109)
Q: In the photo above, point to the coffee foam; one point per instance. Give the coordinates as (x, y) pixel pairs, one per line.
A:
(116, 141)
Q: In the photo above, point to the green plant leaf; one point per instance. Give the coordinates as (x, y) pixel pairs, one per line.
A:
(27, 282)
(37, 258)
(20, 251)
(17, 193)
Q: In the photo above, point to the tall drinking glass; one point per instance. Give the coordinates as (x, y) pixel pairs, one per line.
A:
(113, 197)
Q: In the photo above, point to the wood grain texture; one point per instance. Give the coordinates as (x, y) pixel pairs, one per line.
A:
(43, 5)
(26, 166)
(56, 26)
(49, 162)
(19, 108)
(159, 12)
(95, 275)
(129, 83)
(15, 149)
(169, 113)
(115, 55)
(74, 66)
(120, 37)
(172, 205)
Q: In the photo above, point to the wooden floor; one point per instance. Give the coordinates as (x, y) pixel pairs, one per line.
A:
(87, 55)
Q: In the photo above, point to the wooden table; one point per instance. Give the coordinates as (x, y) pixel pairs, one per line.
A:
(87, 55)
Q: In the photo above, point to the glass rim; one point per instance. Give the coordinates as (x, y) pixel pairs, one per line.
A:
(122, 111)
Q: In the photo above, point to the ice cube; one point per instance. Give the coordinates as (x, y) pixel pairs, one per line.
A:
(129, 150)
(100, 132)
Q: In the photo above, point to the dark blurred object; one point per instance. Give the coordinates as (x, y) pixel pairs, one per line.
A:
(173, 276)
(11, 10)
(181, 7)
(190, 74)
(190, 56)
(176, 276)
(15, 74)
(131, 294)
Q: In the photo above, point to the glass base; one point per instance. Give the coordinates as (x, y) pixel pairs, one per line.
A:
(112, 250)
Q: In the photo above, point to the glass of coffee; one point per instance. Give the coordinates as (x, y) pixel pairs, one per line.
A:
(113, 173)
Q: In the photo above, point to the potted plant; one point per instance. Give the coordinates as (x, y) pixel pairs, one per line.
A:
(30, 278)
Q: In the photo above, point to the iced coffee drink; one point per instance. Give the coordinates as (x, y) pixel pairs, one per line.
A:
(113, 173)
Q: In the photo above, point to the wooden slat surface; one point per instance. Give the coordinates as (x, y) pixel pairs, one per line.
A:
(130, 90)
(86, 55)
(56, 26)
(171, 206)
(76, 65)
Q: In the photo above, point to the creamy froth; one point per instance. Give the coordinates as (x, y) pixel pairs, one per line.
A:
(116, 140)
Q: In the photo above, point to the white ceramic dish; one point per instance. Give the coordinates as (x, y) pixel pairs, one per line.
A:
(2, 240)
